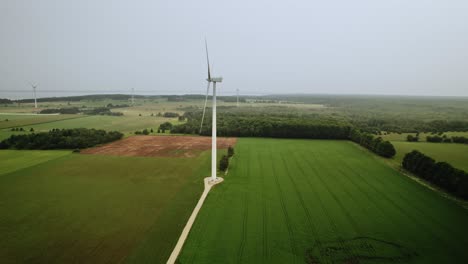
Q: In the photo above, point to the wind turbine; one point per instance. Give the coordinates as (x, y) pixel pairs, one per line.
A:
(34, 92)
(210, 80)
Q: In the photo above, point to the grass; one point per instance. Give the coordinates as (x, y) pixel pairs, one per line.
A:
(79, 208)
(288, 201)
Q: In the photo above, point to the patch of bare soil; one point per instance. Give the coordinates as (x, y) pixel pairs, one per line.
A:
(160, 146)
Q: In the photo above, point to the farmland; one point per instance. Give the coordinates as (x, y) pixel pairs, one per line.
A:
(59, 207)
(290, 201)
(283, 201)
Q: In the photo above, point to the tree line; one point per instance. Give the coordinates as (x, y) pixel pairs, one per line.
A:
(442, 174)
(76, 138)
(374, 144)
(5, 101)
(445, 139)
(76, 110)
(284, 126)
(262, 126)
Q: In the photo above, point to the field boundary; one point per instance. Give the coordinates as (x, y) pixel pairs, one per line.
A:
(180, 243)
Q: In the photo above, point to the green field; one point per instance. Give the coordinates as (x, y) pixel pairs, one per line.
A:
(25, 119)
(58, 207)
(290, 201)
(12, 160)
(123, 124)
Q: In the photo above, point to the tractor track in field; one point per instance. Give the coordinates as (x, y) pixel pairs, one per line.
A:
(245, 212)
(244, 229)
(370, 199)
(325, 211)
(264, 215)
(343, 208)
(403, 212)
(285, 212)
(310, 223)
(416, 208)
(340, 204)
(407, 202)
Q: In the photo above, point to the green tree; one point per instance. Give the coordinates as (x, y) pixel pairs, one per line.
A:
(230, 151)
(224, 163)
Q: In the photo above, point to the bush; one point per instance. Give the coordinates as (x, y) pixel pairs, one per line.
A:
(230, 151)
(165, 126)
(224, 163)
(411, 138)
(170, 114)
(71, 110)
(462, 140)
(434, 139)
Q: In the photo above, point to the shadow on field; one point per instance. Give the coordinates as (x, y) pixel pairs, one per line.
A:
(358, 250)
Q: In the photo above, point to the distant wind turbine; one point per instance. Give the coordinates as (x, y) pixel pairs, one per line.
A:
(210, 80)
(34, 86)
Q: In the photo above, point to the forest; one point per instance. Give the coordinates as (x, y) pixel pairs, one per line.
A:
(253, 125)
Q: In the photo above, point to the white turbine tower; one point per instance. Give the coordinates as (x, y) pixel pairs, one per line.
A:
(34, 93)
(210, 80)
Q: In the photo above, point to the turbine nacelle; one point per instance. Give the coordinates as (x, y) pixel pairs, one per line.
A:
(215, 79)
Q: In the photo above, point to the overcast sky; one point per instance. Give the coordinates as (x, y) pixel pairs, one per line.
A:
(417, 47)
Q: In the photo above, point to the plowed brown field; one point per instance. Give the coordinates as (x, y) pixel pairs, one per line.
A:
(165, 146)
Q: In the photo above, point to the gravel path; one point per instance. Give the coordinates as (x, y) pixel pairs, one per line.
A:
(188, 226)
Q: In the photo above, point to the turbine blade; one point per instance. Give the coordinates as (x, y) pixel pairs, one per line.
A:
(204, 107)
(207, 60)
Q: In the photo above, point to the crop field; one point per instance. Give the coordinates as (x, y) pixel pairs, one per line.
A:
(313, 201)
(124, 124)
(12, 160)
(59, 207)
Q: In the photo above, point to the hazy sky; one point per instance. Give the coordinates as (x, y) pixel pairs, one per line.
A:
(350, 46)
